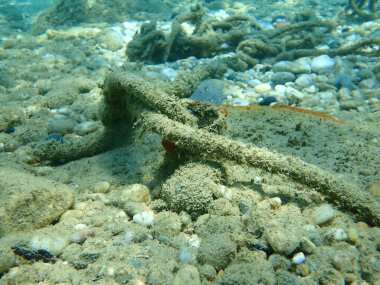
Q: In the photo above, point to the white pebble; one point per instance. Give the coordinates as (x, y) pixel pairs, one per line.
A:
(293, 94)
(194, 241)
(322, 63)
(144, 218)
(263, 88)
(79, 227)
(298, 258)
(275, 202)
(323, 214)
(55, 244)
(226, 192)
(340, 235)
(280, 88)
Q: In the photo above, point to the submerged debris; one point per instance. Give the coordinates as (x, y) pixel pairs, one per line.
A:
(34, 255)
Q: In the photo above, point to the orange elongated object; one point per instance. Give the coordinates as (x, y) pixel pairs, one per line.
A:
(314, 113)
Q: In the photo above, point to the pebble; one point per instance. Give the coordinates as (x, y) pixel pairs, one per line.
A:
(266, 101)
(349, 105)
(302, 270)
(210, 90)
(367, 83)
(307, 245)
(81, 235)
(298, 258)
(61, 126)
(322, 214)
(170, 73)
(280, 78)
(102, 187)
(263, 88)
(322, 63)
(340, 235)
(194, 241)
(294, 95)
(135, 193)
(275, 202)
(144, 218)
(280, 89)
(55, 244)
(296, 67)
(353, 235)
(311, 89)
(305, 80)
(87, 127)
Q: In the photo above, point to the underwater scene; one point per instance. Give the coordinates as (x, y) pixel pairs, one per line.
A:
(190, 142)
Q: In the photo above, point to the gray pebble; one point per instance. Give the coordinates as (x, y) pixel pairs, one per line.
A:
(305, 80)
(280, 78)
(210, 90)
(61, 125)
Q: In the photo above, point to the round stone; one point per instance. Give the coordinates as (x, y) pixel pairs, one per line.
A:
(322, 214)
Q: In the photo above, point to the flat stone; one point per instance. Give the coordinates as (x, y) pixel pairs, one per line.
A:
(296, 67)
(28, 202)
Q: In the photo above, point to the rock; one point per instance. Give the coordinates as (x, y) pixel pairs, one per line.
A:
(217, 250)
(297, 67)
(210, 90)
(349, 105)
(367, 83)
(281, 239)
(340, 235)
(111, 39)
(145, 218)
(54, 242)
(298, 258)
(169, 73)
(7, 258)
(282, 228)
(167, 224)
(191, 188)
(28, 202)
(280, 78)
(135, 193)
(305, 80)
(266, 101)
(102, 187)
(322, 63)
(294, 96)
(322, 214)
(61, 126)
(263, 88)
(87, 127)
(188, 274)
(249, 268)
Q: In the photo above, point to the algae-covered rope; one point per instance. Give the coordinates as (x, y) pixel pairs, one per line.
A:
(219, 147)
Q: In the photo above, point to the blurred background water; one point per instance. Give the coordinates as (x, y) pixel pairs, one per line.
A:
(19, 14)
